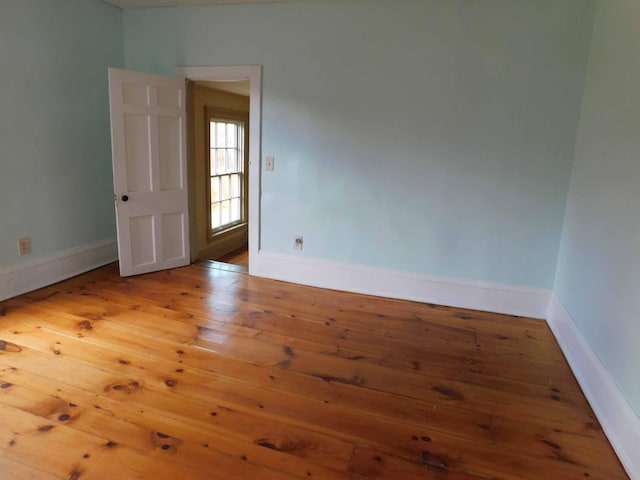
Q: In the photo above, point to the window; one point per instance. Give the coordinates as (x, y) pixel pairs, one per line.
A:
(226, 160)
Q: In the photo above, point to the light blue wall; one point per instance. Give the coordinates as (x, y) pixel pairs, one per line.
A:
(55, 152)
(420, 135)
(598, 277)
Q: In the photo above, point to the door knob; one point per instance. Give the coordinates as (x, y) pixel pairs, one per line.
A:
(125, 198)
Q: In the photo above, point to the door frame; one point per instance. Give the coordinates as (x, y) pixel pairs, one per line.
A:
(253, 74)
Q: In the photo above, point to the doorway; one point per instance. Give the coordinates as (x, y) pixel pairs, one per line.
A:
(224, 163)
(219, 120)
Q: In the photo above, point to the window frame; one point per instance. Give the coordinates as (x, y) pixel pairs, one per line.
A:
(242, 119)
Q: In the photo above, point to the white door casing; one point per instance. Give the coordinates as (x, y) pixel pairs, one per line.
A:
(148, 136)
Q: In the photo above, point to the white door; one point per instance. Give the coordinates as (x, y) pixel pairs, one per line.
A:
(148, 136)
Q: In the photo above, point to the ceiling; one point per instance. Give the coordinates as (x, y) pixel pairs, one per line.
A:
(176, 3)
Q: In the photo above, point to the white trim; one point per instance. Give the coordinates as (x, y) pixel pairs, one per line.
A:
(524, 301)
(25, 277)
(254, 75)
(619, 421)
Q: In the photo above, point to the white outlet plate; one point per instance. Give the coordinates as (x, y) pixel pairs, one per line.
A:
(270, 163)
(297, 242)
(24, 246)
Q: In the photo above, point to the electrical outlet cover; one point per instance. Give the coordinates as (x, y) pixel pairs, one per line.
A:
(24, 246)
(270, 164)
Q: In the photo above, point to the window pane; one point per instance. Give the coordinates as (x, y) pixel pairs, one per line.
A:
(212, 161)
(215, 215)
(235, 209)
(212, 134)
(220, 134)
(232, 159)
(215, 189)
(232, 135)
(224, 212)
(220, 162)
(235, 185)
(224, 187)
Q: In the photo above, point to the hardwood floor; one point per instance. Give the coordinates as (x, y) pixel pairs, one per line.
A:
(237, 257)
(201, 373)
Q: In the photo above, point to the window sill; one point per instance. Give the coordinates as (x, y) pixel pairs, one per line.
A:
(234, 229)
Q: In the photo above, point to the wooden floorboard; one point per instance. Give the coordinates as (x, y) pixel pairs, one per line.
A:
(207, 373)
(237, 257)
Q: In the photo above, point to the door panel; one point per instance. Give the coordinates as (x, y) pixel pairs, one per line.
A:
(172, 225)
(149, 169)
(143, 250)
(171, 177)
(136, 134)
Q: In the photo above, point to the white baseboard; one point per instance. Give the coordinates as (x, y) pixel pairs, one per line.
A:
(619, 421)
(523, 301)
(26, 277)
